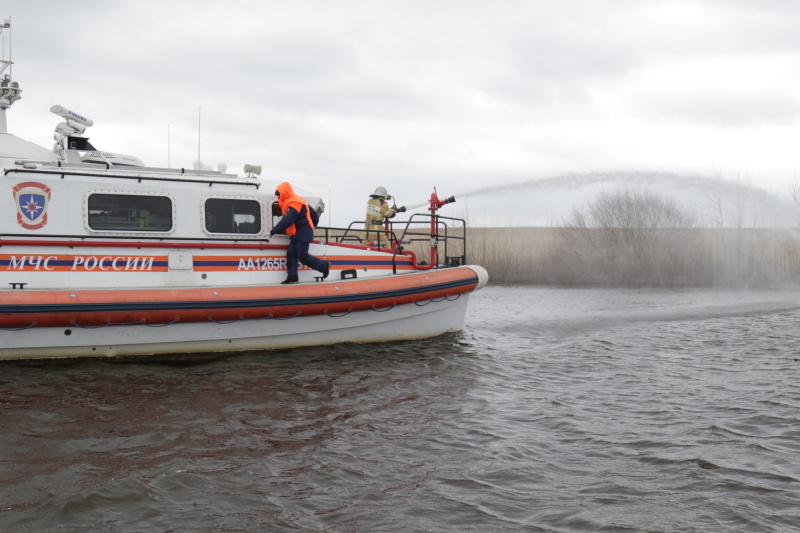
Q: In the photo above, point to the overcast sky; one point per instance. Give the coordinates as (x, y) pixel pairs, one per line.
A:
(342, 96)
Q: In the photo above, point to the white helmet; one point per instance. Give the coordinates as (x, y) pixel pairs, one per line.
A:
(381, 191)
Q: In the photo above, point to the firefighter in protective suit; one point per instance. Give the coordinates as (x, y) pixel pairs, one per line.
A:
(378, 210)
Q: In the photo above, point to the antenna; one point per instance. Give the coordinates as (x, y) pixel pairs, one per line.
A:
(199, 109)
(169, 151)
(6, 25)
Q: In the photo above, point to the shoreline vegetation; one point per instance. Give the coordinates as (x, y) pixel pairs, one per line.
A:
(627, 257)
(668, 257)
(637, 238)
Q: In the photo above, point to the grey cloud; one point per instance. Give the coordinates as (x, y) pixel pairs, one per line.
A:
(724, 110)
(557, 69)
(574, 56)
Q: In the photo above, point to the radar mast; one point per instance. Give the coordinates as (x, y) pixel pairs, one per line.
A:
(9, 90)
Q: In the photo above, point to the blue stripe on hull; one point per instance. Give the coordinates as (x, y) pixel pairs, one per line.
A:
(228, 304)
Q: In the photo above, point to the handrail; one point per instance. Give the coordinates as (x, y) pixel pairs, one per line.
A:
(131, 175)
(443, 234)
(437, 236)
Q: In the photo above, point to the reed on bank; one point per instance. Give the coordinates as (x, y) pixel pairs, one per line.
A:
(670, 257)
(663, 257)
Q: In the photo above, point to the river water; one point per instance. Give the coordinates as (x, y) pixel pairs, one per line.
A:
(554, 410)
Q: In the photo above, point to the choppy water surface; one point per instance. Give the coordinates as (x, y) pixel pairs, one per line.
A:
(555, 410)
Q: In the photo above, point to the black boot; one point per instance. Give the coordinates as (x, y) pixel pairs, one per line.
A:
(289, 280)
(326, 269)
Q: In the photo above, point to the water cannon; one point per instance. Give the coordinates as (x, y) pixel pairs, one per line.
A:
(436, 203)
(450, 200)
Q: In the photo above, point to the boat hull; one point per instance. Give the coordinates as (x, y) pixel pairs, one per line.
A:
(64, 324)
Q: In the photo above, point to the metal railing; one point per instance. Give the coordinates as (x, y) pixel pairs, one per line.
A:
(434, 241)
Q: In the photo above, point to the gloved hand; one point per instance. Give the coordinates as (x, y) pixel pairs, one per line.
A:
(401, 209)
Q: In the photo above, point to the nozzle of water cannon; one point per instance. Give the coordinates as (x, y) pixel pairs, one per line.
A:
(440, 203)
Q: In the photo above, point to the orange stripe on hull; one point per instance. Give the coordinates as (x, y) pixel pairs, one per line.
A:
(21, 309)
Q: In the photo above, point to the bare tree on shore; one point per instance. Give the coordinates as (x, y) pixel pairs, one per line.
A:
(629, 236)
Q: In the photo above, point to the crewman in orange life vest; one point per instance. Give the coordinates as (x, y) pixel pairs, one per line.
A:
(299, 221)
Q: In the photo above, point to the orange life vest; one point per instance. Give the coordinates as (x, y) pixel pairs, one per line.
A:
(289, 199)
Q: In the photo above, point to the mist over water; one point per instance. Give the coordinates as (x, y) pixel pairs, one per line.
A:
(548, 201)
(554, 410)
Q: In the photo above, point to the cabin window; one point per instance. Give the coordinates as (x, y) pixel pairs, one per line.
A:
(277, 214)
(129, 212)
(225, 215)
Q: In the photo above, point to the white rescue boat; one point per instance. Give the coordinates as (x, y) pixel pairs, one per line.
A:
(103, 256)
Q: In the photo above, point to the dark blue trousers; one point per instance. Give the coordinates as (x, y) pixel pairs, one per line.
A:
(298, 250)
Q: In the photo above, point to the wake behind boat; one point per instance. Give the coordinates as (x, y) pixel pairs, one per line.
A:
(102, 256)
